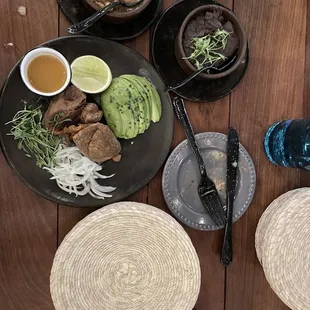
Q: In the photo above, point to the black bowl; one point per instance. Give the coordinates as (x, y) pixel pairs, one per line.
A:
(118, 17)
(76, 12)
(164, 59)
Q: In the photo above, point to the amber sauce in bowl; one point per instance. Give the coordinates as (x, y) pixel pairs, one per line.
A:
(45, 71)
(42, 66)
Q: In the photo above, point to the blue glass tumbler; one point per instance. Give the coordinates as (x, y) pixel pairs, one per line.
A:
(287, 143)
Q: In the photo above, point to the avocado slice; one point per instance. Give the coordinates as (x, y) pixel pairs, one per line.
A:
(156, 108)
(111, 111)
(128, 100)
(138, 104)
(144, 95)
(132, 105)
(116, 111)
(127, 113)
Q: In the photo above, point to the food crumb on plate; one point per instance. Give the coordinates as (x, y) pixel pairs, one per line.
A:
(22, 10)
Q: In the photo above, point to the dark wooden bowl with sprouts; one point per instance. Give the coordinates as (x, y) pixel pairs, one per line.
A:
(211, 36)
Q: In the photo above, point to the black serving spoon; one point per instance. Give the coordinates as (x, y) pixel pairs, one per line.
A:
(83, 25)
(205, 67)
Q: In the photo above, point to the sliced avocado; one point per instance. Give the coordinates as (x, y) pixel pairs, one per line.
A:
(129, 105)
(138, 103)
(115, 110)
(156, 101)
(132, 105)
(156, 106)
(127, 114)
(111, 111)
(145, 98)
(144, 93)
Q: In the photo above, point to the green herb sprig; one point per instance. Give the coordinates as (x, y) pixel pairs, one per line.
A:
(55, 121)
(33, 138)
(205, 49)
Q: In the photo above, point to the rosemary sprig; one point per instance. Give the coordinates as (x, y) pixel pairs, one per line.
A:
(205, 49)
(33, 138)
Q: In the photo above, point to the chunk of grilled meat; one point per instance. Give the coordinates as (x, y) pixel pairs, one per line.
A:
(64, 109)
(91, 114)
(98, 143)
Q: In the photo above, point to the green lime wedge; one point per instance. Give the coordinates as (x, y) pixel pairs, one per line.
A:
(91, 74)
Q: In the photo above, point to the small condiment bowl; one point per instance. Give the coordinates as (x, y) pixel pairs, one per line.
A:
(187, 66)
(30, 56)
(118, 17)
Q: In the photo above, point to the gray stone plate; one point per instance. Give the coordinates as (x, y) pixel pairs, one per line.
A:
(181, 178)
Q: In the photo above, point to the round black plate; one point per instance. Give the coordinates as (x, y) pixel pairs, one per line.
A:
(76, 12)
(141, 157)
(164, 35)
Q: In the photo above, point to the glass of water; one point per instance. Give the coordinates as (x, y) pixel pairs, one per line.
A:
(287, 143)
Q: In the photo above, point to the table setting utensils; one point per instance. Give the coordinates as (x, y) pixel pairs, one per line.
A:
(206, 189)
(85, 24)
(208, 67)
(232, 169)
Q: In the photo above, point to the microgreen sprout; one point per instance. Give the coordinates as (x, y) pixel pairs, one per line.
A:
(205, 49)
(32, 137)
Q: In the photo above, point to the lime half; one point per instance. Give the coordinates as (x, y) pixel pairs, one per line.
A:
(91, 74)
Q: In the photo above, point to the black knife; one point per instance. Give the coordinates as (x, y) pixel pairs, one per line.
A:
(231, 181)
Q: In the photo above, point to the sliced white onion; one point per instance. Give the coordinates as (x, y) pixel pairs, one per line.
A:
(105, 189)
(77, 174)
(100, 176)
(95, 196)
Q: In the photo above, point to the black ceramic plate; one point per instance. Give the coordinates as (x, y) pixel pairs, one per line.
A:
(141, 157)
(163, 41)
(76, 12)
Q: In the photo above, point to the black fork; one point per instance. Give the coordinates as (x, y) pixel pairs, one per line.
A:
(206, 188)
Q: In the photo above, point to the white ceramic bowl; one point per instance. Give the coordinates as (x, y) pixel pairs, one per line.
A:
(38, 52)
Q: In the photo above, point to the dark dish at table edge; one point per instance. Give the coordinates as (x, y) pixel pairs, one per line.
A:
(116, 17)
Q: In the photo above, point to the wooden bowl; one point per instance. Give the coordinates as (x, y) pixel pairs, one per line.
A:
(118, 17)
(187, 66)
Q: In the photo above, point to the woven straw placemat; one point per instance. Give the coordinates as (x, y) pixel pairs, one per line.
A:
(283, 247)
(271, 215)
(126, 256)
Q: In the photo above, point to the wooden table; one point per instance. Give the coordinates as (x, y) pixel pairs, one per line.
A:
(276, 86)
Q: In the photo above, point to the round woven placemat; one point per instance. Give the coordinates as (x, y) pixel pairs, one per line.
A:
(270, 216)
(126, 256)
(283, 247)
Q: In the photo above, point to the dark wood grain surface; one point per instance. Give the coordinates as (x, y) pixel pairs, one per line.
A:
(28, 223)
(276, 86)
(271, 91)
